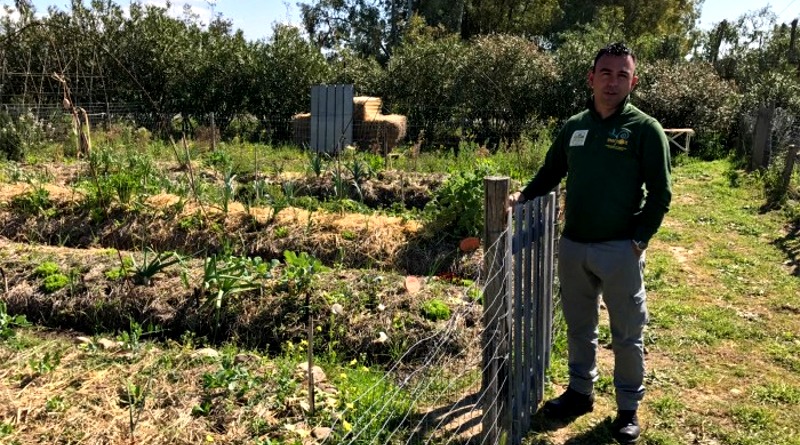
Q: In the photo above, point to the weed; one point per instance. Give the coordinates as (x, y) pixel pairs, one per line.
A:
(777, 393)
(47, 268)
(54, 283)
(6, 429)
(752, 418)
(8, 323)
(280, 232)
(46, 364)
(370, 406)
(152, 264)
(221, 280)
(435, 310)
(35, 202)
(55, 404)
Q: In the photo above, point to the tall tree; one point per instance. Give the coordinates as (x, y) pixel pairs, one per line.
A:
(369, 27)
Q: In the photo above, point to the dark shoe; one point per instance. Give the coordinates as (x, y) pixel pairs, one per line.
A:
(569, 404)
(625, 427)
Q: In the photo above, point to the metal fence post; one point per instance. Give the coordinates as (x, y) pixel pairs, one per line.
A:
(496, 415)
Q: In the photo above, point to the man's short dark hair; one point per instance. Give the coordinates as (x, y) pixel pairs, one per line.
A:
(614, 49)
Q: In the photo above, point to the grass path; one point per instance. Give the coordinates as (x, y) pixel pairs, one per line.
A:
(724, 339)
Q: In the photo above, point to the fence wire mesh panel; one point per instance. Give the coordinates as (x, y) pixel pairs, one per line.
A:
(518, 317)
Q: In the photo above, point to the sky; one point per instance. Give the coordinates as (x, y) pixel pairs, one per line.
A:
(257, 17)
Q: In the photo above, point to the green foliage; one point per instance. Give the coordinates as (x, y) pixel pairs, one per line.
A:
(491, 87)
(456, 210)
(285, 67)
(8, 322)
(35, 202)
(505, 83)
(55, 282)
(219, 159)
(300, 271)
(223, 279)
(152, 263)
(435, 310)
(19, 135)
(46, 363)
(371, 405)
(688, 95)
(424, 71)
(46, 268)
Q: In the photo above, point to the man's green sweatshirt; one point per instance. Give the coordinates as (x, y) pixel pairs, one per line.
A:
(618, 175)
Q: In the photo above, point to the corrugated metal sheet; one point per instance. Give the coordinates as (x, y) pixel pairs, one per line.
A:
(331, 118)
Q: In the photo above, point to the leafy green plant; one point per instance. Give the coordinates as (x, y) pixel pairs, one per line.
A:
(46, 364)
(46, 268)
(457, 206)
(55, 282)
(280, 232)
(8, 323)
(152, 263)
(55, 404)
(316, 164)
(34, 202)
(220, 159)
(228, 190)
(435, 310)
(300, 271)
(223, 279)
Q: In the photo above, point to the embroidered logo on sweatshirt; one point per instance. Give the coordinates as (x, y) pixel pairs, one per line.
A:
(578, 138)
(618, 139)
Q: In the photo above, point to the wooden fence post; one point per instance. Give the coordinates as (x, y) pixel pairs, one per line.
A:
(762, 135)
(495, 314)
(213, 133)
(791, 156)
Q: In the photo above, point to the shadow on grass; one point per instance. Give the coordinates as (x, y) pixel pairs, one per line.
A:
(790, 245)
(458, 423)
(599, 434)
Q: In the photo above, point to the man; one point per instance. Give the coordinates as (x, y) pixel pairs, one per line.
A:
(617, 165)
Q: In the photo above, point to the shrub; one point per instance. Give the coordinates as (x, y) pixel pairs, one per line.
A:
(423, 73)
(456, 209)
(11, 147)
(689, 94)
(505, 83)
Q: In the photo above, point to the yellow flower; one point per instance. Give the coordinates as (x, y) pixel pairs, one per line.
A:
(346, 425)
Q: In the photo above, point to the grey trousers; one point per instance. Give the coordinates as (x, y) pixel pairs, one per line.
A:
(614, 270)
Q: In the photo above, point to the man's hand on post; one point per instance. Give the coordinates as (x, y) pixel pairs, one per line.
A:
(514, 199)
